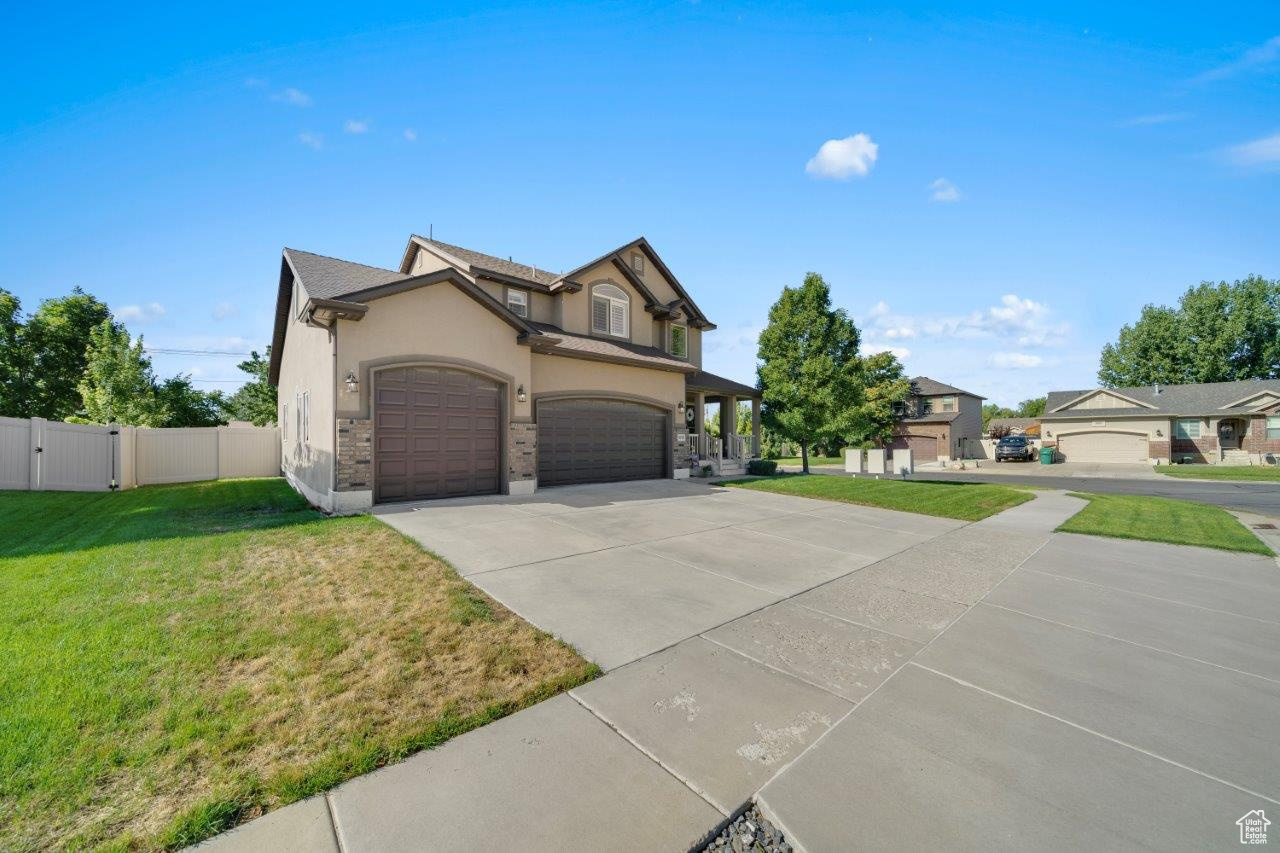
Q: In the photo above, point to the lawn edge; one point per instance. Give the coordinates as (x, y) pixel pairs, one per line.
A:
(1023, 495)
(1090, 496)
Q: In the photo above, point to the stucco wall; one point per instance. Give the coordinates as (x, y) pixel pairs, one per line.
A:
(436, 322)
(552, 373)
(575, 308)
(967, 426)
(306, 365)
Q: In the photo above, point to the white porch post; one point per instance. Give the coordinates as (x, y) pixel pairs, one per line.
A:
(700, 424)
(728, 423)
(757, 448)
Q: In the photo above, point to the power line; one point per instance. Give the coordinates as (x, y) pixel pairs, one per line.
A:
(167, 351)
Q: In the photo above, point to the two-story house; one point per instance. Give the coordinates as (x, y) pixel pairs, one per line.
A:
(938, 422)
(461, 373)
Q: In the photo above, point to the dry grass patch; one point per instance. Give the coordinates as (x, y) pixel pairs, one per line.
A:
(169, 684)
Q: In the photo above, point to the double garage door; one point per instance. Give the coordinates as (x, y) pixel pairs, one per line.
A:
(600, 441)
(924, 448)
(437, 434)
(1103, 447)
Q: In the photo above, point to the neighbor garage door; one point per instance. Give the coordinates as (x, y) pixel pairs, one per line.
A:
(599, 441)
(924, 448)
(1103, 447)
(435, 434)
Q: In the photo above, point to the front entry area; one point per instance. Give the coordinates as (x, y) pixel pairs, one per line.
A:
(435, 434)
(1103, 447)
(600, 441)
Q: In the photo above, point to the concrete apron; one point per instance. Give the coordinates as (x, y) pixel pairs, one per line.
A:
(661, 752)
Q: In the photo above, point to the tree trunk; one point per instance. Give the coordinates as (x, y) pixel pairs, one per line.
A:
(804, 456)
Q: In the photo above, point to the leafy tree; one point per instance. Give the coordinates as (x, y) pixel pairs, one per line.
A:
(187, 405)
(810, 374)
(991, 411)
(883, 386)
(56, 337)
(15, 359)
(1218, 333)
(255, 401)
(118, 386)
(1032, 408)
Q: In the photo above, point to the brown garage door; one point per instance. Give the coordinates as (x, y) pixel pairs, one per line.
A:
(600, 441)
(924, 448)
(435, 434)
(1103, 447)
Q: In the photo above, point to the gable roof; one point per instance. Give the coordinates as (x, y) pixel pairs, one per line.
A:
(927, 387)
(620, 262)
(556, 341)
(330, 278)
(1094, 392)
(1201, 398)
(488, 263)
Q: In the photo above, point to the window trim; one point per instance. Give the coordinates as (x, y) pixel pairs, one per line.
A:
(1179, 432)
(953, 400)
(524, 301)
(1272, 432)
(625, 302)
(671, 340)
(637, 263)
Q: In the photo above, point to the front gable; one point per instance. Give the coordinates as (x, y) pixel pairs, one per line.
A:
(1102, 399)
(1260, 401)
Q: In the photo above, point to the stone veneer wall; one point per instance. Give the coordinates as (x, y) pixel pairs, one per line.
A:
(682, 449)
(1256, 441)
(1158, 449)
(522, 452)
(355, 454)
(1202, 449)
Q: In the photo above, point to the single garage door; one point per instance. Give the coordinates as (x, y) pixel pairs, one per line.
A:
(600, 441)
(435, 434)
(1103, 447)
(924, 448)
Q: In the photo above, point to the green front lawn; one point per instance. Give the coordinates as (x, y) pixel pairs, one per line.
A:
(813, 460)
(967, 501)
(181, 658)
(1242, 473)
(1163, 520)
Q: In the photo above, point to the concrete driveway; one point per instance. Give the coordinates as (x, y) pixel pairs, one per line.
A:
(872, 680)
(623, 570)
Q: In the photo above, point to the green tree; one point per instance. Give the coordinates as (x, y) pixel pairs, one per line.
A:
(118, 385)
(991, 411)
(1218, 333)
(187, 406)
(810, 375)
(254, 401)
(56, 337)
(884, 385)
(15, 359)
(1032, 408)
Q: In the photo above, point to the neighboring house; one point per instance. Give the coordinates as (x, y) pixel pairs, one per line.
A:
(1017, 426)
(1232, 422)
(460, 373)
(938, 422)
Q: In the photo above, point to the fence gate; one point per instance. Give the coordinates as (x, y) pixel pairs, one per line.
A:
(71, 457)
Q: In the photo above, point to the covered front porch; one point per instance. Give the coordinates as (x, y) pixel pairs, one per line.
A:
(728, 452)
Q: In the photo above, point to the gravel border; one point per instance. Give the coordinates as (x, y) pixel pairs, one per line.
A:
(749, 832)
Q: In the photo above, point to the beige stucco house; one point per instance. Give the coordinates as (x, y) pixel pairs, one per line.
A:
(938, 422)
(461, 373)
(1216, 423)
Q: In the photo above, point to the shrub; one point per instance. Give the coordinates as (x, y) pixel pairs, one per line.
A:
(765, 467)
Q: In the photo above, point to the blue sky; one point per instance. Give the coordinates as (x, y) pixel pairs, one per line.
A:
(1001, 191)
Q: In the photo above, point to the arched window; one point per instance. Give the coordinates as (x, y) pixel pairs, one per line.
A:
(610, 310)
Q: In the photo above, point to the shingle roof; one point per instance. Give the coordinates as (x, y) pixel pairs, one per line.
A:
(929, 387)
(329, 278)
(701, 380)
(1204, 398)
(1017, 423)
(557, 340)
(931, 418)
(493, 263)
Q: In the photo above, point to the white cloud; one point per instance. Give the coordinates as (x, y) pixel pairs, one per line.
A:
(353, 125)
(1252, 59)
(140, 313)
(1259, 152)
(293, 97)
(312, 140)
(223, 310)
(1154, 118)
(944, 190)
(1015, 360)
(880, 309)
(1020, 321)
(841, 159)
(411, 134)
(873, 347)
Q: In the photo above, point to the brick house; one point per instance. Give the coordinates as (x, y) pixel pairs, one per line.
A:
(938, 422)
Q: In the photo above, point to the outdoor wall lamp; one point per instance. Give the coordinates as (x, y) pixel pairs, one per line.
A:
(520, 395)
(353, 384)
(680, 407)
(1159, 433)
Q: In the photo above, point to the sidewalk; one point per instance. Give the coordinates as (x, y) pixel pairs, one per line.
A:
(661, 752)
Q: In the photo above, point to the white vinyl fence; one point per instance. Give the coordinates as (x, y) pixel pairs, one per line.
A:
(38, 454)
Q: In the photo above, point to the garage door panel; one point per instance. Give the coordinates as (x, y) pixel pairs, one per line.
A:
(1103, 447)
(592, 441)
(437, 436)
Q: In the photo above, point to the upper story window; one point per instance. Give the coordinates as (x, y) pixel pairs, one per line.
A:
(948, 404)
(518, 302)
(679, 340)
(1186, 428)
(637, 263)
(924, 406)
(610, 311)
